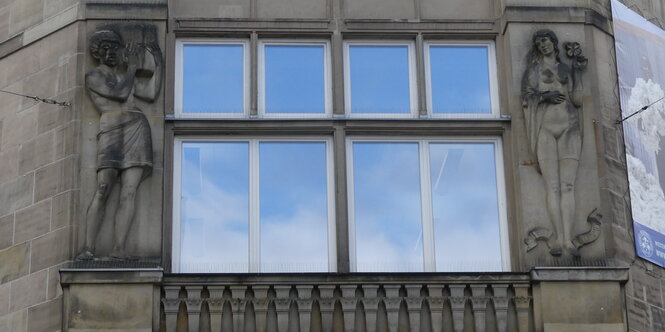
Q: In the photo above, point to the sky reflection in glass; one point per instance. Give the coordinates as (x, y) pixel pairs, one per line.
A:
(213, 79)
(295, 79)
(294, 207)
(387, 207)
(460, 79)
(379, 79)
(465, 207)
(214, 207)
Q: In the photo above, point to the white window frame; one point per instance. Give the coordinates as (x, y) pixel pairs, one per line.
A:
(413, 89)
(327, 85)
(429, 259)
(254, 195)
(493, 79)
(179, 78)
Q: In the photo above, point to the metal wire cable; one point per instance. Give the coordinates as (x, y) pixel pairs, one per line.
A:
(39, 99)
(644, 108)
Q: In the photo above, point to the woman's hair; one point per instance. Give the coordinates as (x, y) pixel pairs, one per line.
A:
(534, 54)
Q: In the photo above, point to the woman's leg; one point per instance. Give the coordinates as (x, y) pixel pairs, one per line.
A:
(548, 159)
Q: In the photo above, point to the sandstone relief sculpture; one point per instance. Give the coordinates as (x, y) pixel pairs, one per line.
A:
(551, 101)
(127, 70)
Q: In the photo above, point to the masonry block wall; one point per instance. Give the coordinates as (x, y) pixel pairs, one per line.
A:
(39, 55)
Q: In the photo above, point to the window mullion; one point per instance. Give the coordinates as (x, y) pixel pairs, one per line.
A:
(254, 206)
(426, 206)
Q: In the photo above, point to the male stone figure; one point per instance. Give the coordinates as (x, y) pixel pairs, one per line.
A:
(124, 145)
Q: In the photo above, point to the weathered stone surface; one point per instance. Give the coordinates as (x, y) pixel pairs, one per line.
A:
(14, 322)
(380, 9)
(53, 288)
(19, 128)
(37, 152)
(9, 163)
(6, 231)
(122, 307)
(292, 9)
(25, 13)
(638, 317)
(28, 291)
(66, 140)
(54, 178)
(15, 262)
(585, 302)
(43, 83)
(52, 7)
(4, 298)
(62, 207)
(456, 9)
(32, 221)
(45, 317)
(646, 287)
(51, 249)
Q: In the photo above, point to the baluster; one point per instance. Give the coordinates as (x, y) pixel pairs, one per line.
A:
(215, 305)
(414, 296)
(435, 301)
(327, 303)
(282, 300)
(194, 306)
(271, 316)
(500, 300)
(182, 322)
(238, 303)
(490, 312)
(522, 300)
(425, 324)
(204, 319)
(393, 301)
(511, 319)
(162, 318)
(457, 302)
(315, 321)
(304, 305)
(370, 304)
(171, 303)
(403, 321)
(348, 302)
(479, 301)
(262, 297)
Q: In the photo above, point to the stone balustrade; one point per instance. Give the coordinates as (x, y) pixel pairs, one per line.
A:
(354, 302)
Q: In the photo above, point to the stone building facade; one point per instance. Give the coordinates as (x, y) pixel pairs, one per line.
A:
(49, 170)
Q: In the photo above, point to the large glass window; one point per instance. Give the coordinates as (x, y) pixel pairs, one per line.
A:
(460, 79)
(293, 78)
(255, 205)
(212, 78)
(426, 205)
(379, 79)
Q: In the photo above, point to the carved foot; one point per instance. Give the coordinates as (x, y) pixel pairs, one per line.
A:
(556, 251)
(85, 255)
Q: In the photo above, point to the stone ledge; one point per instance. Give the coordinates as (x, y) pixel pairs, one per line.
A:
(70, 276)
(619, 274)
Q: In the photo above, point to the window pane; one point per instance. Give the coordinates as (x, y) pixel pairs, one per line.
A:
(379, 79)
(460, 80)
(214, 207)
(213, 80)
(293, 207)
(465, 207)
(387, 207)
(294, 79)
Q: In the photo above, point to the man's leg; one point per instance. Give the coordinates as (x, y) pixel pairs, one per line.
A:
(130, 180)
(106, 177)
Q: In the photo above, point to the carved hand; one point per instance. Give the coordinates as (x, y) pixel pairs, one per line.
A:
(553, 97)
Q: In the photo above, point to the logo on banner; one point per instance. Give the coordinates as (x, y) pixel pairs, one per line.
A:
(645, 243)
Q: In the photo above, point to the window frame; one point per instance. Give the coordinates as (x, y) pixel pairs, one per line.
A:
(261, 84)
(254, 222)
(413, 79)
(180, 44)
(427, 219)
(492, 76)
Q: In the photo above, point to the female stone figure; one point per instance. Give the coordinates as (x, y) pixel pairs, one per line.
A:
(551, 95)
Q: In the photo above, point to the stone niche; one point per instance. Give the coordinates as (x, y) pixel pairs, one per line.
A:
(532, 203)
(144, 238)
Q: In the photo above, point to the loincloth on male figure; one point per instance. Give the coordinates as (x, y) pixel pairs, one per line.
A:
(124, 140)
